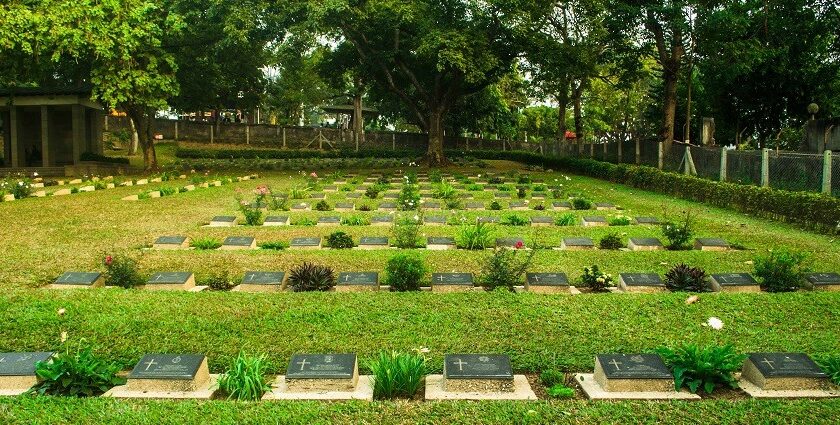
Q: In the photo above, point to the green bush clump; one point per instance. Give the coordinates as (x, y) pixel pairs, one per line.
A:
(253, 214)
(77, 373)
(274, 245)
(474, 236)
(831, 367)
(305, 221)
(444, 190)
(121, 270)
(596, 280)
(539, 207)
(581, 204)
(567, 219)
(495, 180)
(205, 243)
(404, 272)
(495, 206)
(678, 233)
(363, 207)
(611, 241)
(355, 220)
(245, 378)
(684, 278)
(474, 188)
(218, 280)
(504, 269)
(397, 374)
(453, 204)
(781, 271)
(278, 203)
(620, 220)
(298, 192)
(309, 277)
(372, 192)
(164, 190)
(435, 176)
(323, 205)
(406, 231)
(339, 240)
(521, 193)
(707, 367)
(409, 199)
(515, 220)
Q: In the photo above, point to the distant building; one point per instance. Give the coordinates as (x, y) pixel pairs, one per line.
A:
(822, 135)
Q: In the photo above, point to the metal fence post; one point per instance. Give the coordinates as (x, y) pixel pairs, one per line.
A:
(591, 150)
(176, 130)
(723, 163)
(765, 167)
(284, 137)
(826, 178)
(638, 151)
(212, 130)
(247, 134)
(661, 155)
(620, 154)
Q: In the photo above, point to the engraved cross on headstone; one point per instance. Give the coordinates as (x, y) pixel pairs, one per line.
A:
(536, 278)
(347, 278)
(769, 363)
(460, 364)
(615, 363)
(302, 364)
(150, 363)
(441, 278)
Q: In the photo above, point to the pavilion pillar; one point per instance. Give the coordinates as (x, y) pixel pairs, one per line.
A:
(15, 153)
(46, 155)
(78, 132)
(7, 139)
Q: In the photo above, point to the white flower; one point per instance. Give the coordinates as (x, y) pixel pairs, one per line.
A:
(714, 323)
(64, 336)
(35, 174)
(416, 218)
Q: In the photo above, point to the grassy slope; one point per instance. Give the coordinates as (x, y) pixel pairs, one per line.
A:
(47, 236)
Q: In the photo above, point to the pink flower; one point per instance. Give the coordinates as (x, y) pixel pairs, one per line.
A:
(519, 245)
(109, 260)
(313, 175)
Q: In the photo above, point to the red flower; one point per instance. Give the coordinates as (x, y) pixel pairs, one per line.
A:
(519, 245)
(108, 260)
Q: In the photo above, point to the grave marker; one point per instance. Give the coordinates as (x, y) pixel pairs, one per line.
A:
(546, 283)
(254, 281)
(306, 243)
(591, 221)
(711, 244)
(478, 377)
(518, 205)
(452, 282)
(823, 281)
(276, 220)
(542, 221)
(171, 242)
(388, 206)
(345, 206)
(645, 244)
(17, 371)
(382, 220)
(329, 221)
(79, 280)
(322, 377)
(171, 281)
(176, 376)
(488, 220)
(373, 242)
(357, 282)
(576, 244)
(734, 282)
(785, 375)
(510, 242)
(474, 206)
(301, 206)
(630, 377)
(440, 243)
(647, 220)
(232, 243)
(640, 282)
(434, 220)
(223, 221)
(604, 206)
(432, 205)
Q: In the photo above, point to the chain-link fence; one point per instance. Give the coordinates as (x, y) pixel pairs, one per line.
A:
(777, 169)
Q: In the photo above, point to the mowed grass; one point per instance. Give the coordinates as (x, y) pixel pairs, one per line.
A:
(42, 238)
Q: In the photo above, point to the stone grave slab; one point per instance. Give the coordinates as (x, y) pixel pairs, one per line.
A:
(434, 220)
(168, 376)
(163, 281)
(79, 280)
(734, 282)
(647, 220)
(171, 242)
(640, 282)
(478, 377)
(711, 244)
(373, 242)
(488, 220)
(440, 243)
(466, 195)
(631, 377)
(330, 188)
(452, 282)
(300, 206)
(604, 206)
(345, 206)
(391, 195)
(510, 242)
(592, 221)
(561, 206)
(382, 220)
(388, 206)
(256, 281)
(547, 283)
(645, 244)
(322, 377)
(232, 243)
(823, 281)
(505, 195)
(320, 196)
(785, 375)
(357, 282)
(576, 244)
(329, 221)
(276, 220)
(17, 371)
(432, 205)
(474, 206)
(305, 243)
(223, 221)
(542, 221)
(538, 195)
(518, 205)
(353, 195)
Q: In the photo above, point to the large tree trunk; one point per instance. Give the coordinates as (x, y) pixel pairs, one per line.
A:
(562, 105)
(669, 108)
(144, 120)
(434, 155)
(358, 118)
(134, 142)
(578, 94)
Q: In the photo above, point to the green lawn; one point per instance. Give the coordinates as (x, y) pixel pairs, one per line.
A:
(45, 237)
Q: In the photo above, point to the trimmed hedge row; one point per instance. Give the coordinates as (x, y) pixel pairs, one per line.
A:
(812, 210)
(185, 153)
(90, 156)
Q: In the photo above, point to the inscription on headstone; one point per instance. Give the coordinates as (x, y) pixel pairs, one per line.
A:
(169, 278)
(641, 279)
(787, 365)
(263, 278)
(310, 241)
(452, 279)
(477, 366)
(167, 366)
(238, 241)
(322, 366)
(374, 240)
(170, 240)
(547, 279)
(78, 278)
(358, 278)
(21, 364)
(633, 366)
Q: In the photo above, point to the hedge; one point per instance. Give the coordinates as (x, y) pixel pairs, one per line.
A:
(90, 156)
(185, 153)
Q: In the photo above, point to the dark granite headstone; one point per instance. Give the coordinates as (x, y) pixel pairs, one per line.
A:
(509, 242)
(223, 219)
(170, 240)
(382, 219)
(78, 278)
(432, 205)
(305, 242)
(167, 366)
(647, 220)
(300, 206)
(391, 195)
(477, 366)
(169, 278)
(547, 279)
(388, 206)
(633, 366)
(263, 278)
(452, 279)
(21, 364)
(646, 241)
(317, 196)
(517, 204)
(786, 365)
(712, 242)
(329, 220)
(578, 242)
(344, 206)
(488, 219)
(594, 219)
(373, 241)
(435, 240)
(641, 279)
(435, 219)
(353, 195)
(283, 219)
(542, 220)
(502, 195)
(475, 206)
(322, 366)
(823, 278)
(734, 279)
(358, 278)
(604, 205)
(562, 205)
(238, 241)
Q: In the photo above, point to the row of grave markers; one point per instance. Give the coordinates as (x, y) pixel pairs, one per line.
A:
(270, 281)
(466, 376)
(187, 188)
(438, 206)
(432, 220)
(435, 243)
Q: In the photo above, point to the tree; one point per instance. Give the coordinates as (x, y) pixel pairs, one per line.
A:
(428, 54)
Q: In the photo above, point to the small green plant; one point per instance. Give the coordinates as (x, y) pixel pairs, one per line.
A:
(495, 180)
(305, 221)
(556, 193)
(453, 204)
(274, 245)
(567, 219)
(539, 207)
(404, 272)
(684, 278)
(515, 220)
(372, 192)
(253, 215)
(121, 270)
(521, 193)
(218, 280)
(278, 203)
(435, 176)
(339, 240)
(707, 367)
(444, 190)
(552, 377)
(205, 243)
(781, 271)
(539, 188)
(611, 241)
(77, 373)
(164, 190)
(406, 231)
(311, 277)
(397, 374)
(474, 236)
(474, 188)
(495, 206)
(596, 280)
(581, 204)
(678, 233)
(560, 391)
(298, 192)
(323, 205)
(504, 268)
(245, 378)
(831, 367)
(409, 198)
(524, 179)
(620, 220)
(355, 220)
(102, 186)
(364, 207)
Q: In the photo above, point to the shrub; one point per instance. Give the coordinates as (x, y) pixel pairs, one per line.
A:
(678, 233)
(552, 377)
(556, 193)
(278, 203)
(495, 180)
(685, 278)
(164, 190)
(311, 277)
(524, 179)
(515, 220)
(253, 215)
(121, 270)
(435, 176)
(444, 190)
(298, 192)
(305, 221)
(245, 378)
(560, 391)
(339, 240)
(474, 236)
(20, 187)
(831, 366)
(323, 205)
(581, 204)
(620, 220)
(495, 206)
(205, 243)
(274, 245)
(596, 280)
(218, 280)
(363, 207)
(410, 178)
(611, 241)
(504, 269)
(568, 219)
(539, 188)
(539, 207)
(453, 204)
(397, 374)
(406, 231)
(706, 368)
(521, 193)
(355, 220)
(76, 374)
(409, 198)
(372, 192)
(474, 187)
(168, 190)
(781, 271)
(404, 272)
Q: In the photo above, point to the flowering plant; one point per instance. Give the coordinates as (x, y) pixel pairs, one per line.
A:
(596, 280)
